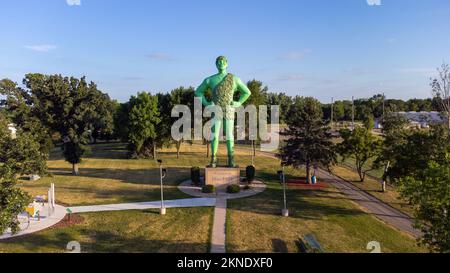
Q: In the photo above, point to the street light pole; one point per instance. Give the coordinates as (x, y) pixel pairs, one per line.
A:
(285, 211)
(163, 208)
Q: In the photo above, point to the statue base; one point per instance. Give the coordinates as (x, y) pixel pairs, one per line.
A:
(222, 176)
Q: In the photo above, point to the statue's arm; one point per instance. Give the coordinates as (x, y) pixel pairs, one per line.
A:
(200, 92)
(244, 93)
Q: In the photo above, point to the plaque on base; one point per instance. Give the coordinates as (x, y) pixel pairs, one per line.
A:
(222, 176)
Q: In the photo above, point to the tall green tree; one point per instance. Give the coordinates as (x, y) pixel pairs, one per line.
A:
(408, 151)
(143, 120)
(102, 119)
(179, 96)
(430, 196)
(308, 139)
(19, 155)
(360, 145)
(17, 107)
(67, 106)
(121, 119)
(259, 97)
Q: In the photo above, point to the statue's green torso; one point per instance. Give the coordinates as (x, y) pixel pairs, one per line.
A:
(223, 88)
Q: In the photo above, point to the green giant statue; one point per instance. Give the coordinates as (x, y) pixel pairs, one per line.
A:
(223, 86)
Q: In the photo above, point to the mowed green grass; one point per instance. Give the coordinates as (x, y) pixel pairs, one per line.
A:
(184, 230)
(107, 176)
(255, 225)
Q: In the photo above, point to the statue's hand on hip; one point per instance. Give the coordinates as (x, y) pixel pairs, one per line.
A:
(236, 104)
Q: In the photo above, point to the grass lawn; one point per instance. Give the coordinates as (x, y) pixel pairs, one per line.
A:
(254, 224)
(180, 231)
(373, 186)
(107, 176)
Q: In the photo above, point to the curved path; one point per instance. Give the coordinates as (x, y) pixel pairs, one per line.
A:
(373, 205)
(44, 223)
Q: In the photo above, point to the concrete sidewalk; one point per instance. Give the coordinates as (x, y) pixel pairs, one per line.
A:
(219, 228)
(373, 205)
(44, 223)
(180, 203)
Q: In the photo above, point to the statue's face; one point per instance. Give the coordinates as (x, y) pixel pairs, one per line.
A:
(222, 64)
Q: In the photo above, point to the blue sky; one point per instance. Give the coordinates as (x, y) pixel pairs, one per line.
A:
(320, 48)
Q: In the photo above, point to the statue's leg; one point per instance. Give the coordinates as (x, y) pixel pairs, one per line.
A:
(229, 129)
(215, 142)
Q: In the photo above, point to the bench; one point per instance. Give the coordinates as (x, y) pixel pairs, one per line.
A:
(309, 244)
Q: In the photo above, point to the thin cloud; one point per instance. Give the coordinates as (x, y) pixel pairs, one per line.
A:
(73, 2)
(419, 70)
(41, 48)
(160, 56)
(291, 78)
(295, 55)
(374, 2)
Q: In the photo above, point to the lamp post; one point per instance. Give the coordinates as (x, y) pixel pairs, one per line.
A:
(162, 174)
(284, 211)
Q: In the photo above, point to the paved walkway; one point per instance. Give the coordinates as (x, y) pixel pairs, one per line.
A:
(373, 205)
(44, 223)
(179, 203)
(256, 188)
(219, 227)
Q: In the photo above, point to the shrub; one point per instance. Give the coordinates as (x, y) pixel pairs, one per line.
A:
(250, 173)
(195, 175)
(208, 189)
(233, 188)
(247, 187)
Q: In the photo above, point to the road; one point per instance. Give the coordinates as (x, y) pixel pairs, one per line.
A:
(373, 205)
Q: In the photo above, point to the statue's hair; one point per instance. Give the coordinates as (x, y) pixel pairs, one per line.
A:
(221, 58)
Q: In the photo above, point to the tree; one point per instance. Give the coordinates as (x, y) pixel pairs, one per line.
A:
(430, 196)
(67, 106)
(308, 139)
(361, 145)
(20, 155)
(178, 96)
(283, 101)
(121, 128)
(258, 97)
(102, 119)
(441, 90)
(143, 119)
(408, 151)
(18, 110)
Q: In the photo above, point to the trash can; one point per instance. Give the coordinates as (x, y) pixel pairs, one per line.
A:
(314, 180)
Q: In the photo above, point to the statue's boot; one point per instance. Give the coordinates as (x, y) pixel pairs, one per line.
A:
(213, 162)
(231, 162)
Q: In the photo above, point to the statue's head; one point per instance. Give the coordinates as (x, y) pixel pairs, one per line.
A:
(221, 63)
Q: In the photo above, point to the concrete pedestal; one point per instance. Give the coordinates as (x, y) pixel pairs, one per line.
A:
(162, 211)
(285, 213)
(222, 177)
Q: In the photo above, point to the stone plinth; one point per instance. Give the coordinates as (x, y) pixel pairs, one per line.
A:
(222, 176)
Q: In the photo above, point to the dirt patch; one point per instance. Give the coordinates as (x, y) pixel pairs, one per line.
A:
(67, 221)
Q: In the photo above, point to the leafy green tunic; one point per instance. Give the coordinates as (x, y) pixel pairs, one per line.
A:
(223, 96)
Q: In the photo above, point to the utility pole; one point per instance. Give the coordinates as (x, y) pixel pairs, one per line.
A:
(353, 113)
(332, 113)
